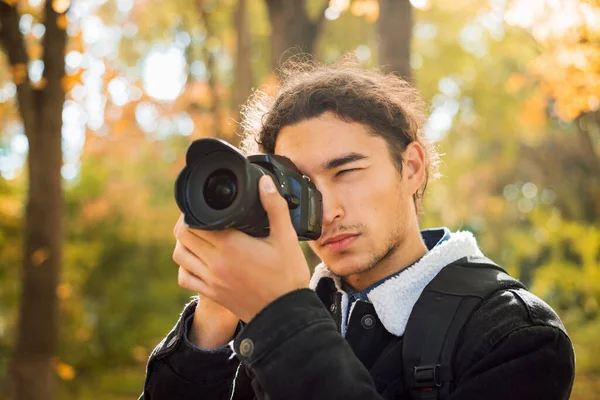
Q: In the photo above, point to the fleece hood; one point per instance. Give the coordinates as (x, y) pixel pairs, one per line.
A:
(394, 299)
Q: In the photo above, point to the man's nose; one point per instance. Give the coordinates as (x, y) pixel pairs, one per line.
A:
(332, 208)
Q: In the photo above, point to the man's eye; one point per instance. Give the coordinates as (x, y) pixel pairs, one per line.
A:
(346, 170)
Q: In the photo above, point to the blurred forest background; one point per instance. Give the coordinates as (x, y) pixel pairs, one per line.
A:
(99, 100)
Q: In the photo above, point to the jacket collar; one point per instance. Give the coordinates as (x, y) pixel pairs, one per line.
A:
(394, 299)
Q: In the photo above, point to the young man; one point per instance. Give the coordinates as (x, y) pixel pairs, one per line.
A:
(263, 328)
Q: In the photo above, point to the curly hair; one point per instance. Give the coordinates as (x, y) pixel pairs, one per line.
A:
(385, 104)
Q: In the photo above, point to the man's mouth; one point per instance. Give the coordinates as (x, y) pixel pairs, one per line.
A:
(339, 242)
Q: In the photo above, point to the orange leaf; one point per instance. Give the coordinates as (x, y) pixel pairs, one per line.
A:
(69, 81)
(515, 83)
(35, 51)
(96, 210)
(40, 84)
(61, 6)
(40, 256)
(358, 8)
(371, 10)
(62, 22)
(63, 291)
(19, 73)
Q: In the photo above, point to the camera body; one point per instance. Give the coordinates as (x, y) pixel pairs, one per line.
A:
(218, 189)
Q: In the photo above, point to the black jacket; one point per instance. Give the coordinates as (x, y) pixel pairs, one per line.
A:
(513, 347)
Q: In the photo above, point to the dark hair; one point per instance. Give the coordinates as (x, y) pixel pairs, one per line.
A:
(384, 103)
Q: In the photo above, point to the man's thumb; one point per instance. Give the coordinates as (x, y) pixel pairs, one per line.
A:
(275, 206)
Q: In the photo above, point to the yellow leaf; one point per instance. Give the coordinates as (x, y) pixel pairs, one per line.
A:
(65, 371)
(533, 113)
(496, 205)
(10, 206)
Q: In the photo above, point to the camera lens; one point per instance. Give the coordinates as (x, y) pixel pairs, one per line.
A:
(220, 189)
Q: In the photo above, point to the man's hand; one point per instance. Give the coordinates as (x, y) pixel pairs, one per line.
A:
(240, 272)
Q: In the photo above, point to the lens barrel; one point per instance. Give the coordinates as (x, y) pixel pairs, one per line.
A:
(218, 189)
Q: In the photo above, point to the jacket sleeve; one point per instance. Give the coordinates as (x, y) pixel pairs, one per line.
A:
(515, 348)
(179, 370)
(293, 350)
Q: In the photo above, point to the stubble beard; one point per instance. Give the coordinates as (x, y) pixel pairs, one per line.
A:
(397, 236)
(379, 255)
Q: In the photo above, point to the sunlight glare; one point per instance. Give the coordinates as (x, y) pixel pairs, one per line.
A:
(421, 4)
(339, 5)
(61, 6)
(332, 14)
(551, 18)
(164, 73)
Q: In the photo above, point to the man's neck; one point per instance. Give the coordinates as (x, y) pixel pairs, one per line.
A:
(408, 252)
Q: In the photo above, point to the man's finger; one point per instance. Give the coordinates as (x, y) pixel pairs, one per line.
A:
(212, 237)
(178, 225)
(190, 262)
(189, 281)
(197, 244)
(276, 207)
(209, 236)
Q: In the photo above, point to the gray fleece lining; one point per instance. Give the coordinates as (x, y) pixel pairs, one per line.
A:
(394, 299)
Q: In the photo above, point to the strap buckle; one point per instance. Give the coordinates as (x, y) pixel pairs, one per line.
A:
(427, 376)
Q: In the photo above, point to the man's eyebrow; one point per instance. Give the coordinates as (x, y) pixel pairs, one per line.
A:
(342, 160)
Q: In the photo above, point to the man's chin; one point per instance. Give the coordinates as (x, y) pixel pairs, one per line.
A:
(345, 266)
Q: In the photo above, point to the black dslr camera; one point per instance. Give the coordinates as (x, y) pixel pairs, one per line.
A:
(218, 189)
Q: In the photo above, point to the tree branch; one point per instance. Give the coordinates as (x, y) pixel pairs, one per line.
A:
(318, 23)
(55, 42)
(12, 40)
(587, 144)
(14, 47)
(211, 69)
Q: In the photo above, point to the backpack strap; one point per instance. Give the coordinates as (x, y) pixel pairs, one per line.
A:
(437, 319)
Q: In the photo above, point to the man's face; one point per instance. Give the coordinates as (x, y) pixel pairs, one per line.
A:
(367, 207)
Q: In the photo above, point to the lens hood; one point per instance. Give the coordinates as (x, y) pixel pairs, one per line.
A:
(204, 158)
(218, 189)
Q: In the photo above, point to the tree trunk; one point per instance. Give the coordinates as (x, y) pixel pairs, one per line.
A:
(292, 31)
(394, 27)
(590, 196)
(41, 111)
(209, 59)
(242, 86)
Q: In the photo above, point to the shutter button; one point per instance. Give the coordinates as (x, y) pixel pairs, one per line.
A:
(368, 321)
(246, 347)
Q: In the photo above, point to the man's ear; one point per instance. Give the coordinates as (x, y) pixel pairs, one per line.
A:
(414, 162)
